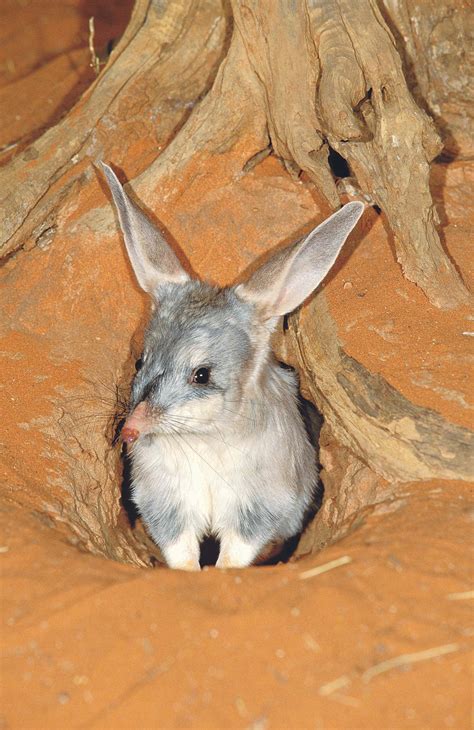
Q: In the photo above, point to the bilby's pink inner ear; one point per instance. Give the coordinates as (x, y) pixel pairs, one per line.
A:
(153, 261)
(289, 277)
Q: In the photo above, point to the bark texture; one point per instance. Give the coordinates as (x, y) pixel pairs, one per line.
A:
(388, 142)
(396, 438)
(165, 57)
(436, 41)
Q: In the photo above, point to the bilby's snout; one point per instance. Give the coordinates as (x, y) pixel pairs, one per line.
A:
(137, 423)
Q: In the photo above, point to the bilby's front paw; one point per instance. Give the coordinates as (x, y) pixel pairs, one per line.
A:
(236, 552)
(226, 562)
(183, 554)
(191, 565)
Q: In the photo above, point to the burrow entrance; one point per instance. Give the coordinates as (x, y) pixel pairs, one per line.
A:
(297, 546)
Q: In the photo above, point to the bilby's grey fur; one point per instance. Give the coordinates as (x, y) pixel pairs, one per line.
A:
(230, 457)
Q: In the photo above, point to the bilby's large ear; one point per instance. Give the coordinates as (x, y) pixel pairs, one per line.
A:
(152, 259)
(283, 282)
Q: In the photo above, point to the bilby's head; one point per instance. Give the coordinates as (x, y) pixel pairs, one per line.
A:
(206, 349)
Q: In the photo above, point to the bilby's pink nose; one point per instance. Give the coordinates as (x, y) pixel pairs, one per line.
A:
(135, 424)
(129, 435)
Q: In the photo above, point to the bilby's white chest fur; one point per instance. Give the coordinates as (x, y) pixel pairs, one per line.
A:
(248, 480)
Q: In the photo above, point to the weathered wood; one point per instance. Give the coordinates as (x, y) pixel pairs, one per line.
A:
(278, 42)
(435, 41)
(396, 438)
(338, 79)
(162, 54)
(391, 155)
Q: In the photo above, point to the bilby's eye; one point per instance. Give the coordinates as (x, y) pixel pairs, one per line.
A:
(142, 360)
(201, 376)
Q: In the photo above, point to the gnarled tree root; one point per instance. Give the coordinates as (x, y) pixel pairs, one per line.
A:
(396, 438)
(362, 108)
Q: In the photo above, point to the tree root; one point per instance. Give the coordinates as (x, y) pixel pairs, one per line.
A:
(362, 108)
(163, 54)
(396, 438)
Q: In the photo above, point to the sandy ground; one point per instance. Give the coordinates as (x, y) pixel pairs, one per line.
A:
(379, 642)
(382, 640)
